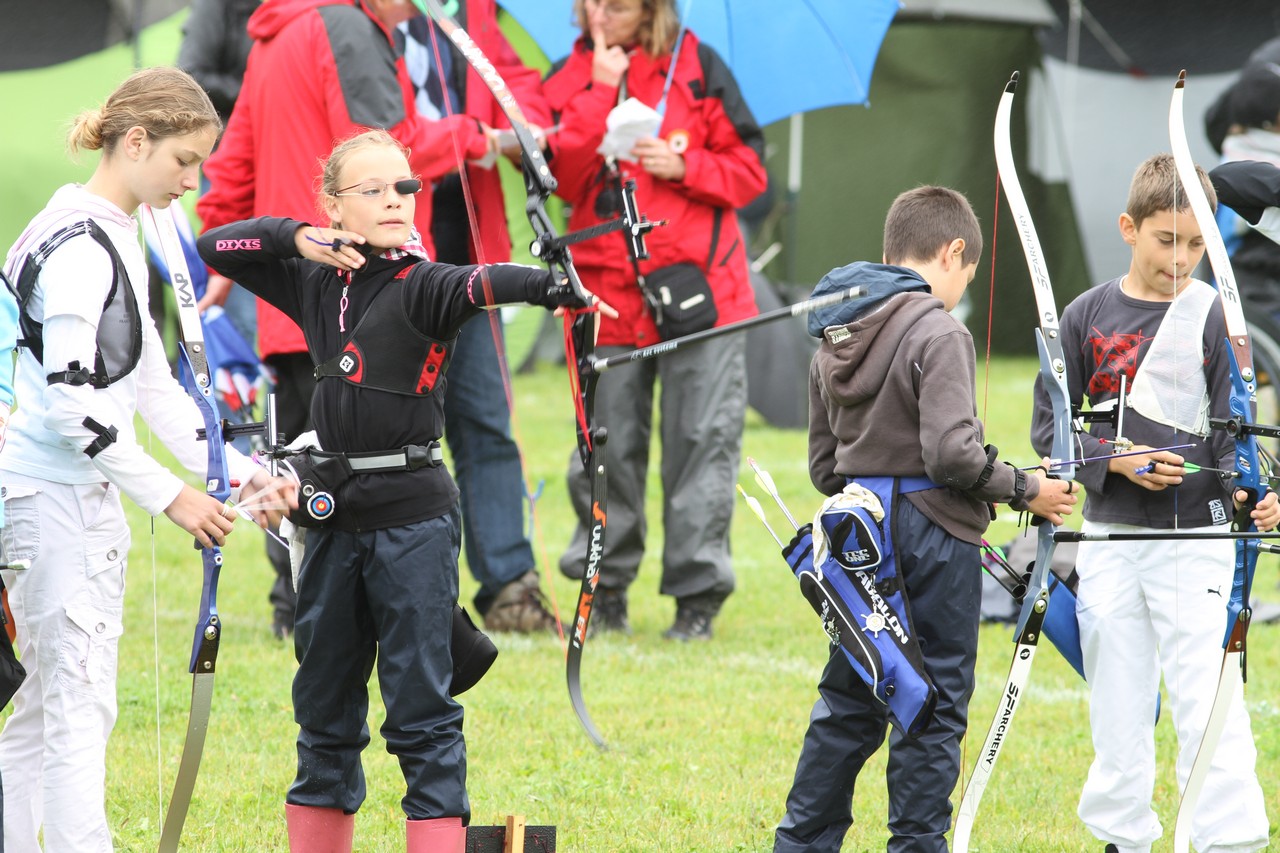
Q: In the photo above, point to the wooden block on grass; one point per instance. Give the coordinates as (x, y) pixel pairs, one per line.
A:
(514, 842)
(515, 837)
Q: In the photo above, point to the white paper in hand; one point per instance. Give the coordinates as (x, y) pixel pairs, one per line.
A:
(628, 123)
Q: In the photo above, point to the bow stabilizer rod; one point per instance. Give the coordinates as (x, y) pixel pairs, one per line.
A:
(600, 365)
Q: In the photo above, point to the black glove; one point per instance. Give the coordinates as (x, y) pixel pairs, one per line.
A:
(473, 652)
(556, 293)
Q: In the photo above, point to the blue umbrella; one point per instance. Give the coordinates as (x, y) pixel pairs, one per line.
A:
(787, 57)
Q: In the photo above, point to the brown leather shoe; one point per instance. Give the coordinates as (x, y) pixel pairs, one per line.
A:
(520, 608)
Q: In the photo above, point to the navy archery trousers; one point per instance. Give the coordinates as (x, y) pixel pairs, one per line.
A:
(944, 585)
(383, 596)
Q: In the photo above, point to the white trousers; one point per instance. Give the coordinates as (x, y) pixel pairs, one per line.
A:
(1147, 608)
(67, 608)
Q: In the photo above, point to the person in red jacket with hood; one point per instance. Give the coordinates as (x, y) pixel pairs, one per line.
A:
(319, 71)
(704, 162)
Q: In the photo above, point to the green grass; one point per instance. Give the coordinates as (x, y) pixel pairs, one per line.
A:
(703, 739)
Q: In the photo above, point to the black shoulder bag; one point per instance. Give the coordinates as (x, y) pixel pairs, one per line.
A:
(12, 672)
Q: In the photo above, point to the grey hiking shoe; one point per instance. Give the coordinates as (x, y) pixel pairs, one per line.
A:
(692, 623)
(520, 608)
(609, 612)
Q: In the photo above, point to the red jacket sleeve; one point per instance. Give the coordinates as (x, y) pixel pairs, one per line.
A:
(727, 170)
(231, 173)
(727, 173)
(433, 145)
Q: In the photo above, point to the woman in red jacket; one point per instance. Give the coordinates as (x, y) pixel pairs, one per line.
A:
(704, 162)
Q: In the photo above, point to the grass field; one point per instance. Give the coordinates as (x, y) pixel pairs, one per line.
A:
(702, 738)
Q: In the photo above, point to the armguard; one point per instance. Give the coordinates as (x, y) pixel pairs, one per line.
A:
(106, 437)
(73, 375)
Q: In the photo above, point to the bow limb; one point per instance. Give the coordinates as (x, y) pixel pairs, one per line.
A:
(1053, 374)
(208, 630)
(553, 250)
(1248, 475)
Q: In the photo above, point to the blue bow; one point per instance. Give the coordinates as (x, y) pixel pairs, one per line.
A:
(208, 630)
(1248, 474)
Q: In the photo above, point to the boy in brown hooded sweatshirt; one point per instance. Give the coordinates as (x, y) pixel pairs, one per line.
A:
(891, 393)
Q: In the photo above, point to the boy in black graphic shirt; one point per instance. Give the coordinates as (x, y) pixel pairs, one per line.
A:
(1147, 607)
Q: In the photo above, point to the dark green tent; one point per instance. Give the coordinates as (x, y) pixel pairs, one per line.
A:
(934, 94)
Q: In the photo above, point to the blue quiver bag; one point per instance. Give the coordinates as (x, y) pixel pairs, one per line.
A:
(1060, 624)
(851, 581)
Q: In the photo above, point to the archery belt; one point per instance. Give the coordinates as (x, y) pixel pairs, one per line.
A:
(848, 572)
(321, 473)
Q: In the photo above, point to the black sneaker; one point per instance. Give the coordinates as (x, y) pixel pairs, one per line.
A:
(1111, 848)
(609, 612)
(692, 623)
(282, 625)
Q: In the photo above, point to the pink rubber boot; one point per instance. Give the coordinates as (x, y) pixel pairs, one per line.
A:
(316, 830)
(440, 835)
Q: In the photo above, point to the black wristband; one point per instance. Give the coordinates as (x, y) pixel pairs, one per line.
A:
(990, 467)
(1019, 486)
(556, 293)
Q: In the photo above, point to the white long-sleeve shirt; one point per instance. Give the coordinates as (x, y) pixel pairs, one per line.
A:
(47, 436)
